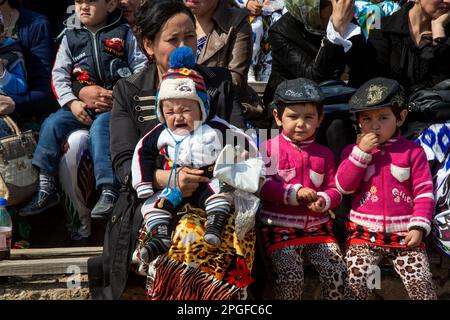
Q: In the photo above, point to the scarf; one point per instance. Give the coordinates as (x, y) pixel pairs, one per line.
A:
(307, 12)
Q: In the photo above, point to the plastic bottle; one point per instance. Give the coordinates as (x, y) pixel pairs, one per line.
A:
(5, 230)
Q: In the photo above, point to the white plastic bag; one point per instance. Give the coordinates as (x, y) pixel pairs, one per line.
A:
(244, 175)
(246, 205)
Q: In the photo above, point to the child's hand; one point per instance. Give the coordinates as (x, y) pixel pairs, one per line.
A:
(254, 7)
(307, 194)
(413, 238)
(244, 155)
(317, 206)
(7, 105)
(368, 142)
(78, 109)
(97, 98)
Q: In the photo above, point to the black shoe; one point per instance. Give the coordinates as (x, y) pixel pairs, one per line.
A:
(215, 223)
(105, 204)
(41, 201)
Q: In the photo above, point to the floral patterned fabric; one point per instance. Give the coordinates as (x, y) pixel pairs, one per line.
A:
(369, 14)
(435, 140)
(262, 56)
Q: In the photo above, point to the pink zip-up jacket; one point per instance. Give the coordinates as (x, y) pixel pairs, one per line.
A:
(307, 164)
(392, 187)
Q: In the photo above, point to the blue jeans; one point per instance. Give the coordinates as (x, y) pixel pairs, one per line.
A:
(53, 134)
(4, 129)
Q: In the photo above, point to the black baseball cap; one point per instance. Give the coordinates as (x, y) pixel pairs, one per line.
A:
(377, 93)
(298, 90)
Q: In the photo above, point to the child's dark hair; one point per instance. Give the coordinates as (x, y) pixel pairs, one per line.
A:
(280, 106)
(152, 15)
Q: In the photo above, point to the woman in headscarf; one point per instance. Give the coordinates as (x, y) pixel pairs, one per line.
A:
(301, 47)
(311, 41)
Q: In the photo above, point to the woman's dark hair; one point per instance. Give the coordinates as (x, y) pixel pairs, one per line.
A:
(16, 4)
(152, 15)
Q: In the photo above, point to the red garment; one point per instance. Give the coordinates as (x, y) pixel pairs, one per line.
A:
(362, 235)
(278, 237)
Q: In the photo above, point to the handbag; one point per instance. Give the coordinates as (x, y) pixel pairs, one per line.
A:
(18, 177)
(431, 105)
(337, 94)
(253, 109)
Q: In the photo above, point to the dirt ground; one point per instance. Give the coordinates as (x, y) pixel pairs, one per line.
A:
(56, 288)
(43, 288)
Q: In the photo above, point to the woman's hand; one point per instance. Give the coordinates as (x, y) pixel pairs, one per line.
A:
(97, 98)
(7, 105)
(188, 180)
(368, 142)
(413, 238)
(438, 25)
(254, 7)
(343, 13)
(78, 109)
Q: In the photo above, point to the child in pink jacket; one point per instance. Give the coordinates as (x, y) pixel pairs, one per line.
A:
(392, 188)
(297, 194)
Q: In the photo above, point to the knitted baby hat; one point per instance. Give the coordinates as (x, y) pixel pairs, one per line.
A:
(182, 82)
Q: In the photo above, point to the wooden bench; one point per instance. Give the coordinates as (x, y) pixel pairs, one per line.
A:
(258, 86)
(27, 262)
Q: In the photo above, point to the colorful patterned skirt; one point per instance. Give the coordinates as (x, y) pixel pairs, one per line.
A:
(278, 237)
(358, 234)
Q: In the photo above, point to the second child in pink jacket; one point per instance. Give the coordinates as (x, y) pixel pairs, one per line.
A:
(392, 194)
(297, 194)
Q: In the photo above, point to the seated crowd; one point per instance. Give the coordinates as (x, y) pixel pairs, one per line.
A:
(210, 191)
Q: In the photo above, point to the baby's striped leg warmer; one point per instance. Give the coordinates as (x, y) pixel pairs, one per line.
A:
(158, 222)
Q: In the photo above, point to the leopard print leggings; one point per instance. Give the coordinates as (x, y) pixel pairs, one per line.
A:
(288, 266)
(411, 264)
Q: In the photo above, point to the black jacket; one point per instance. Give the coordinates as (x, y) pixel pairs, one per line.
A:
(132, 117)
(299, 53)
(392, 53)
